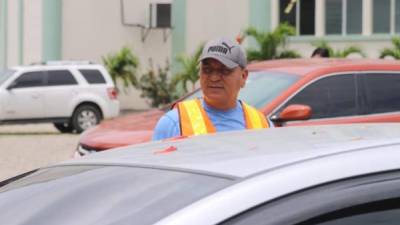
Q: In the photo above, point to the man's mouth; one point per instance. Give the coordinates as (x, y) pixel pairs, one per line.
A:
(216, 87)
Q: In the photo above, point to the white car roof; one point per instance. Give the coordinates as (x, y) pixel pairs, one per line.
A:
(241, 154)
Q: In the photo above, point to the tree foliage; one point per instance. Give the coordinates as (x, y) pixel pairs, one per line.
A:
(392, 52)
(339, 53)
(271, 45)
(122, 66)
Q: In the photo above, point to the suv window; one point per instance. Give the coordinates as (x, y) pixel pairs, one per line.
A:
(332, 96)
(30, 79)
(93, 76)
(381, 92)
(60, 77)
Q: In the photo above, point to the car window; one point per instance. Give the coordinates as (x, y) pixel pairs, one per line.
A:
(332, 96)
(93, 76)
(381, 92)
(30, 79)
(372, 199)
(60, 77)
(5, 74)
(262, 87)
(116, 194)
(386, 212)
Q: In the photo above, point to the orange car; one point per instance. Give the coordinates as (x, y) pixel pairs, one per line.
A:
(289, 92)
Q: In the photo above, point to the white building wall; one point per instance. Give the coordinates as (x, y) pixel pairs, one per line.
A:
(32, 31)
(13, 36)
(93, 28)
(208, 19)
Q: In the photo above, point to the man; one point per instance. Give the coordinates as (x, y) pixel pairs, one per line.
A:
(320, 53)
(222, 73)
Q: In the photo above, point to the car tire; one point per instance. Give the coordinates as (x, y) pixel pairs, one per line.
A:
(85, 117)
(64, 127)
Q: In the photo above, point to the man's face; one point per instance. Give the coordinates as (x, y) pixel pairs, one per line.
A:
(221, 85)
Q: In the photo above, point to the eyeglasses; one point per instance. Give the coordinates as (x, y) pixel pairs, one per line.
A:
(208, 70)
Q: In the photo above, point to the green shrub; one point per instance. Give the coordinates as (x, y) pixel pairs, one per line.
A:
(122, 66)
(155, 85)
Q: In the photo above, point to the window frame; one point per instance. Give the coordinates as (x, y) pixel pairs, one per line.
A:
(392, 18)
(297, 25)
(47, 78)
(365, 101)
(344, 19)
(14, 83)
(84, 75)
(359, 106)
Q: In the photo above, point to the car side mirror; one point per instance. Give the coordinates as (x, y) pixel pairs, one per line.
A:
(293, 112)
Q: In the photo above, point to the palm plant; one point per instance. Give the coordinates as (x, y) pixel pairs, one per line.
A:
(339, 53)
(395, 52)
(190, 69)
(271, 43)
(122, 66)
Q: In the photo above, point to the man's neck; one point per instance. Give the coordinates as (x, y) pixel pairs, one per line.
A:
(220, 106)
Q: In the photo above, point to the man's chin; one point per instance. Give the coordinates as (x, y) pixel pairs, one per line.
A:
(213, 98)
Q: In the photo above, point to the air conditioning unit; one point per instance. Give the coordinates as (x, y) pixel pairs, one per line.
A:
(160, 15)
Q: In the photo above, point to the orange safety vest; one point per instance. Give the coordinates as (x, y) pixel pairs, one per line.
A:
(194, 120)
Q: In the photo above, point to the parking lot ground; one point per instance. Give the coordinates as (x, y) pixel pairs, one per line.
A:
(26, 147)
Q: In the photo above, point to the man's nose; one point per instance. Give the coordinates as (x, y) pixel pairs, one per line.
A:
(215, 75)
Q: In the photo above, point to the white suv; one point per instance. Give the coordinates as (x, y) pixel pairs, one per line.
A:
(72, 95)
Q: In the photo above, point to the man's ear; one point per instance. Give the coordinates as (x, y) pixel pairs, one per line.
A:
(245, 74)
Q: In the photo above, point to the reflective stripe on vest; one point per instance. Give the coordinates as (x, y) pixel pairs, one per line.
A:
(194, 120)
(254, 118)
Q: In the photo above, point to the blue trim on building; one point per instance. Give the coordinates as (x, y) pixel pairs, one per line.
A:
(52, 29)
(259, 17)
(178, 31)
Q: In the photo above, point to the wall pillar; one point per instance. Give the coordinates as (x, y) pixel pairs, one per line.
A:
(320, 18)
(259, 17)
(178, 31)
(52, 29)
(367, 17)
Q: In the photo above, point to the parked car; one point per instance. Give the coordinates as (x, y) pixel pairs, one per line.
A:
(325, 175)
(73, 95)
(289, 92)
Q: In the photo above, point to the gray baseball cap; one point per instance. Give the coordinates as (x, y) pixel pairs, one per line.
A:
(226, 51)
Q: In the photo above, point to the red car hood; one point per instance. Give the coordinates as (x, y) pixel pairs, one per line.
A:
(121, 131)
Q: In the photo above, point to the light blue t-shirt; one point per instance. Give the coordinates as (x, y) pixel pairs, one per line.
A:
(168, 126)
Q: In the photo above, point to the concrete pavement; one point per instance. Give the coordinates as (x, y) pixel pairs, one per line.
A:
(26, 147)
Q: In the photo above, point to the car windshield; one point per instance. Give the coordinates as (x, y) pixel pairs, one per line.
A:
(5, 74)
(261, 87)
(115, 194)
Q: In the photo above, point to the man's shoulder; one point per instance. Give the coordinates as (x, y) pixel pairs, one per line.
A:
(167, 126)
(171, 115)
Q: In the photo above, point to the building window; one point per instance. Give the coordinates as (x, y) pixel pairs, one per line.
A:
(381, 16)
(300, 14)
(386, 16)
(343, 16)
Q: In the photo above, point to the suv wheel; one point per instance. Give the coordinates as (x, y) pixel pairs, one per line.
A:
(85, 117)
(64, 127)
